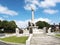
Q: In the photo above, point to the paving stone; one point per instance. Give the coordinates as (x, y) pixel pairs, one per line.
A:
(42, 39)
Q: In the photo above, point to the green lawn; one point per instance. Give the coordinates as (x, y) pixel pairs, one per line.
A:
(15, 39)
(57, 35)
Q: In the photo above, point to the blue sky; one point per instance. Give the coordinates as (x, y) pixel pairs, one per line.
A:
(20, 11)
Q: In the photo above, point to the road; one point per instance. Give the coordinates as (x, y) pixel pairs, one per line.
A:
(1, 43)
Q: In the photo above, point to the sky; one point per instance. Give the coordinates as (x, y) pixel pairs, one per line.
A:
(20, 11)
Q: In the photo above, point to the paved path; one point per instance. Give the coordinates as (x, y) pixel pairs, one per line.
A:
(41, 39)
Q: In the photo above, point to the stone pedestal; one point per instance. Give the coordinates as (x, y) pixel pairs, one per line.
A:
(49, 30)
(17, 32)
(34, 29)
(44, 30)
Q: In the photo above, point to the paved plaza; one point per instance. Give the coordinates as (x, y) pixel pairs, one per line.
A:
(41, 39)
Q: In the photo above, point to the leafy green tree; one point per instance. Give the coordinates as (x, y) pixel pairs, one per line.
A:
(8, 26)
(46, 24)
(59, 25)
(42, 24)
(12, 25)
(0, 24)
(5, 24)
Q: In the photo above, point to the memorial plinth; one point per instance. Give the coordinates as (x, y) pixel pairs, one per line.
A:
(33, 28)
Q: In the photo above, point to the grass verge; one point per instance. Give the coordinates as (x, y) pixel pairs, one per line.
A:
(15, 39)
(58, 35)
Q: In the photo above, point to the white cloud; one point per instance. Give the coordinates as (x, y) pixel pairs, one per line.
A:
(1, 18)
(24, 24)
(43, 19)
(5, 10)
(44, 4)
(49, 3)
(31, 3)
(50, 11)
(29, 6)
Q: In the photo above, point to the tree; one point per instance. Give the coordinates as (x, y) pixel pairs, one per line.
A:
(59, 25)
(8, 26)
(42, 24)
(46, 24)
(0, 24)
(5, 24)
(11, 26)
